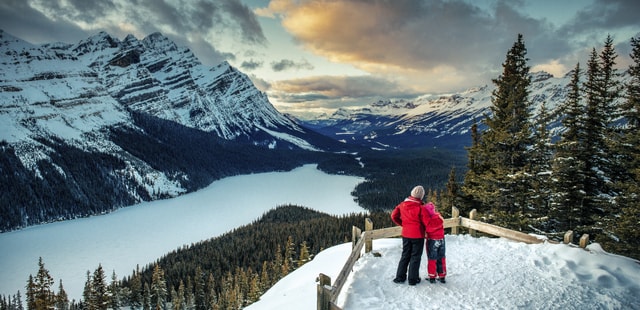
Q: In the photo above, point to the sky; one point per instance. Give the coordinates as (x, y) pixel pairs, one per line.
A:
(320, 55)
(482, 273)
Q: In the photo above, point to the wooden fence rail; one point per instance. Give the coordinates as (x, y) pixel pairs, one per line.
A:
(328, 294)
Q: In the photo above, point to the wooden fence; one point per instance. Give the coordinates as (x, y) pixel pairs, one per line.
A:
(328, 294)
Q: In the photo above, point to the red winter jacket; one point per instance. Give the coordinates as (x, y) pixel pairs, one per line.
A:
(435, 227)
(412, 216)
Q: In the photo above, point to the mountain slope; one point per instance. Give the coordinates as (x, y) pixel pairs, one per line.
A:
(89, 127)
(430, 120)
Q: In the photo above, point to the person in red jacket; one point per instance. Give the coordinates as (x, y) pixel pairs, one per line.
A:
(413, 217)
(436, 260)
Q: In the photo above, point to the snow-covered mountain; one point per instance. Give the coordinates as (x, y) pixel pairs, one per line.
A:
(104, 123)
(429, 120)
(68, 90)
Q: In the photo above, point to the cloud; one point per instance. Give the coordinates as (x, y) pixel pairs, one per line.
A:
(260, 83)
(339, 87)
(445, 44)
(250, 65)
(286, 64)
(18, 18)
(246, 19)
(402, 35)
(198, 22)
(604, 15)
(554, 67)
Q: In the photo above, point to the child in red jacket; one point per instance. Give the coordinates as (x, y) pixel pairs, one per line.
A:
(437, 262)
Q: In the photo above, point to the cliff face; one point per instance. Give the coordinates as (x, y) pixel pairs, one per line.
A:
(89, 127)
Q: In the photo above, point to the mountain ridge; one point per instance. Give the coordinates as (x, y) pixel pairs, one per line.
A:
(441, 120)
(145, 119)
(89, 127)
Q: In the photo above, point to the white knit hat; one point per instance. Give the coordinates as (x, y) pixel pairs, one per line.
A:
(417, 192)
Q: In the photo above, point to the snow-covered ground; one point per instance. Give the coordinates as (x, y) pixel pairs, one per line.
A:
(140, 234)
(483, 273)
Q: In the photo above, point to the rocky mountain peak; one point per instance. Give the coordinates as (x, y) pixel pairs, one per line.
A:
(143, 118)
(98, 42)
(159, 42)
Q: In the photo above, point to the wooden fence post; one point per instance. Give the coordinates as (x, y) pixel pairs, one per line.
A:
(355, 235)
(584, 240)
(568, 237)
(472, 216)
(324, 293)
(368, 227)
(455, 213)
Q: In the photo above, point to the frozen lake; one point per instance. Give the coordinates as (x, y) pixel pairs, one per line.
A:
(140, 234)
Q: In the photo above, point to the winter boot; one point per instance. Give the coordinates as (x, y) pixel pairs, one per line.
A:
(442, 280)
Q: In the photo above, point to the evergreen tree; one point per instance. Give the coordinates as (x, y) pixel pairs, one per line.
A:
(432, 196)
(611, 86)
(179, 300)
(189, 295)
(62, 299)
(304, 254)
(452, 192)
(158, 289)
(99, 293)
(241, 279)
(11, 302)
(200, 290)
(114, 292)
(135, 299)
(601, 90)
(254, 289)
(31, 293)
(473, 185)
(42, 294)
(87, 293)
(288, 259)
(594, 137)
(611, 89)
(212, 296)
(507, 141)
(569, 161)
(228, 295)
(276, 265)
(17, 301)
(265, 280)
(541, 158)
(146, 297)
(624, 233)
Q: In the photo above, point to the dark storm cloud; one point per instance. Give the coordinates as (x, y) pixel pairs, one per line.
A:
(251, 30)
(286, 64)
(541, 38)
(604, 15)
(205, 51)
(88, 10)
(18, 18)
(196, 23)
